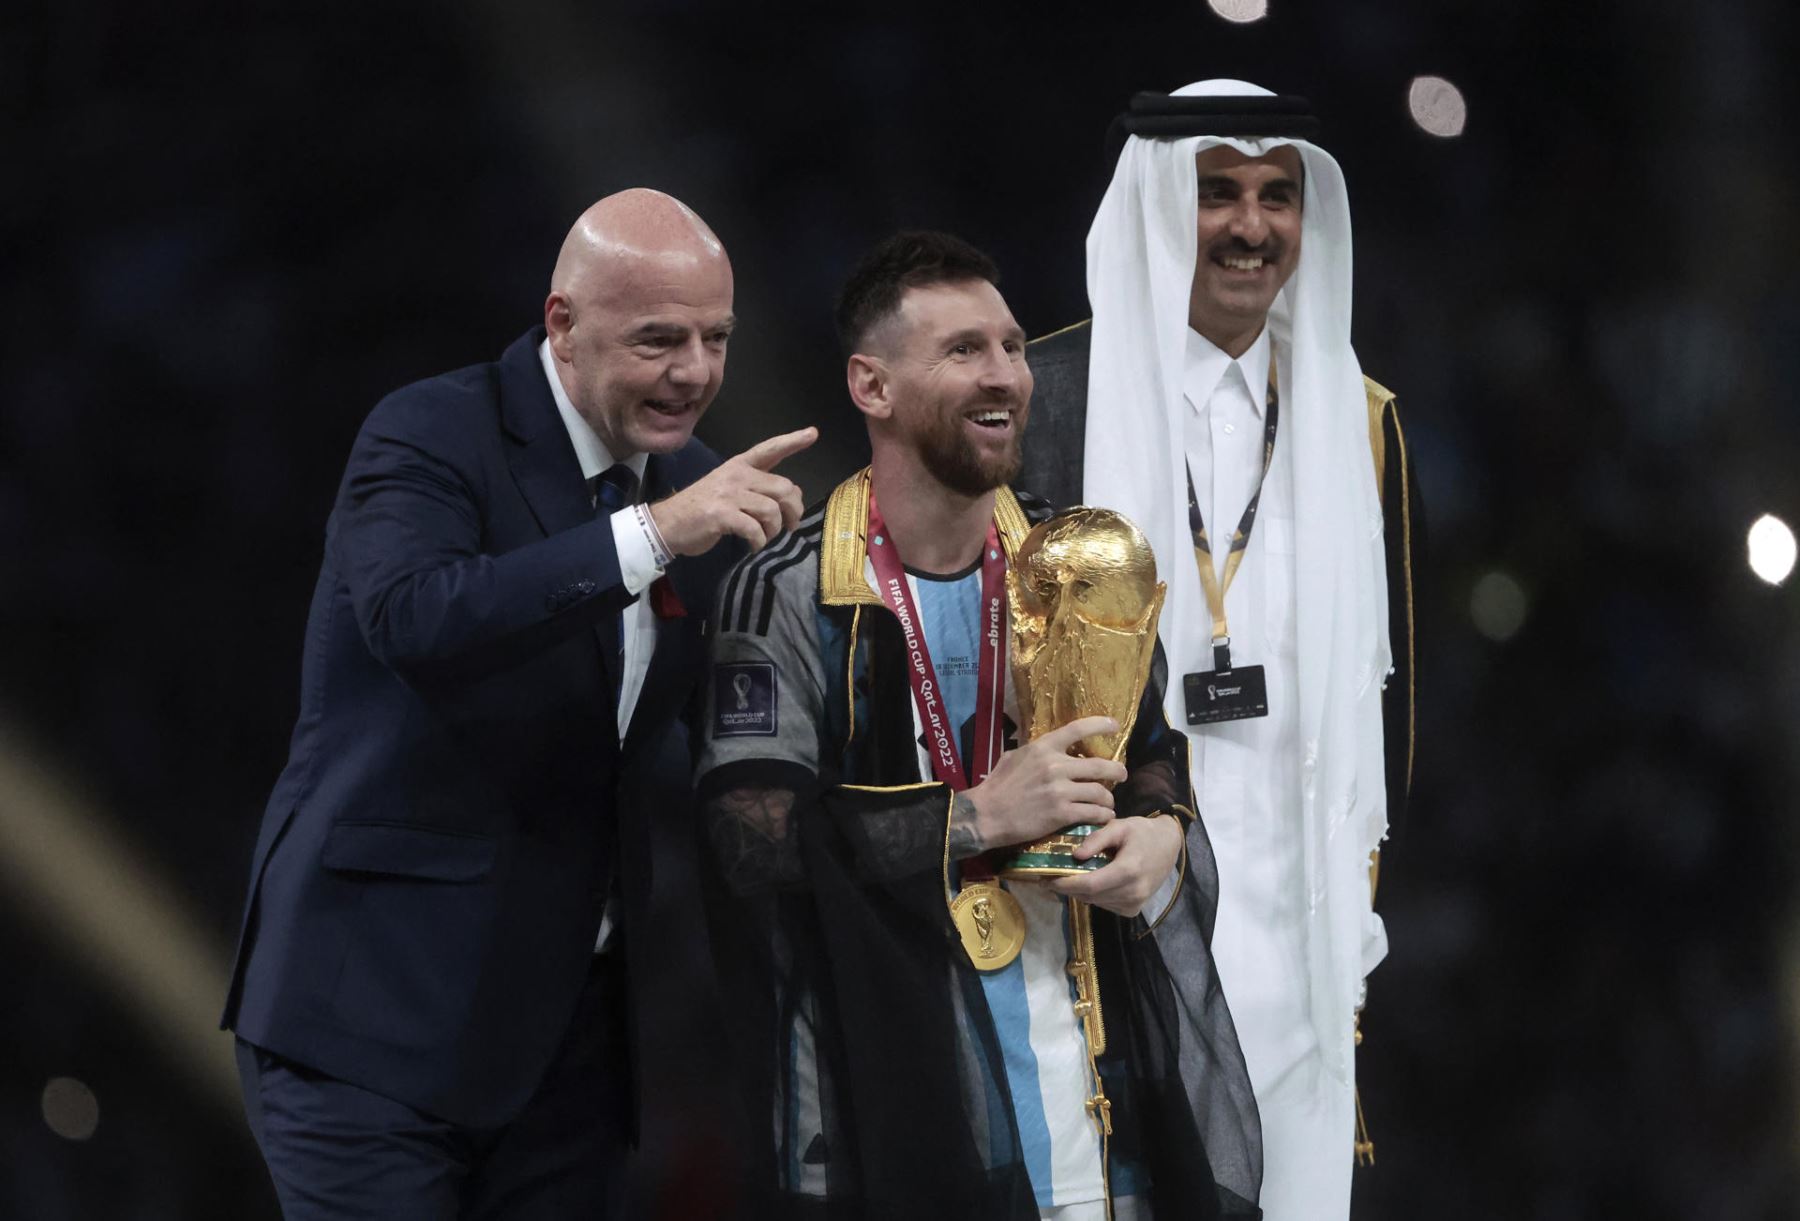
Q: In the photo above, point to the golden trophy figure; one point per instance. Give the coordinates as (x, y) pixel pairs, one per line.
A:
(1083, 597)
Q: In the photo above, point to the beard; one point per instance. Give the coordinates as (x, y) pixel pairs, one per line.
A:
(962, 468)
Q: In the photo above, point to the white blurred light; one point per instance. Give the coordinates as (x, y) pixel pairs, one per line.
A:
(1498, 605)
(70, 1108)
(1771, 546)
(1241, 11)
(1437, 106)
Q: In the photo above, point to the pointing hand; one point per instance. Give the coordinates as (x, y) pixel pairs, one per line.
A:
(743, 496)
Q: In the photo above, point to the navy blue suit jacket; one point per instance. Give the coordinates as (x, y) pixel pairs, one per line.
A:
(433, 862)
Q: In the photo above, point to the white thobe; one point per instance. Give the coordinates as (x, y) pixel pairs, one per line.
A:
(1247, 782)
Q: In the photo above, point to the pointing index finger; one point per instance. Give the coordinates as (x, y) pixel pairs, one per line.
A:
(765, 454)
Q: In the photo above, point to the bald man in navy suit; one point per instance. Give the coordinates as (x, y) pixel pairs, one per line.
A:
(501, 668)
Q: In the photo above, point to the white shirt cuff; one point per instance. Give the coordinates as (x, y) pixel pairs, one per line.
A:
(637, 559)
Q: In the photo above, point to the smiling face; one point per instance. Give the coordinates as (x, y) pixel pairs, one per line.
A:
(638, 316)
(958, 382)
(1249, 241)
(646, 351)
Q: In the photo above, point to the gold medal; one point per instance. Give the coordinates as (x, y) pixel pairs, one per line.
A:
(991, 923)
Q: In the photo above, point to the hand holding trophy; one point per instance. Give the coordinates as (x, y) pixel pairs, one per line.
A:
(1083, 599)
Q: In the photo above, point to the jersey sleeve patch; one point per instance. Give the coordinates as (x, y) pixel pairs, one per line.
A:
(744, 699)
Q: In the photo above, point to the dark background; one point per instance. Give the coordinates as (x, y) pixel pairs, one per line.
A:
(229, 228)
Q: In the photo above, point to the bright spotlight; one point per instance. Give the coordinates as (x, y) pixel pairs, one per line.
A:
(1498, 605)
(1437, 106)
(1241, 11)
(1771, 548)
(70, 1108)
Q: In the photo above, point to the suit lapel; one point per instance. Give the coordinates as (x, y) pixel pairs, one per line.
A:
(543, 463)
(542, 458)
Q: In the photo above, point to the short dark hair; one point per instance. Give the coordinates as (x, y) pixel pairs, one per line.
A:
(916, 258)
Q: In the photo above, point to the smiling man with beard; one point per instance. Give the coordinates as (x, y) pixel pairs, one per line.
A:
(903, 1057)
(1216, 400)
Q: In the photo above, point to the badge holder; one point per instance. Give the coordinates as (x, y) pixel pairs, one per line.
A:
(1225, 692)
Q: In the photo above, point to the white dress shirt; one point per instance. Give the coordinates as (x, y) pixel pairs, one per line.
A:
(1247, 772)
(637, 561)
(637, 566)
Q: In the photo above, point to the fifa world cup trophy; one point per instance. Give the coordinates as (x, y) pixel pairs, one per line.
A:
(1083, 597)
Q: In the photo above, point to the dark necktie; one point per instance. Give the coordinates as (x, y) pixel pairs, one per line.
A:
(615, 488)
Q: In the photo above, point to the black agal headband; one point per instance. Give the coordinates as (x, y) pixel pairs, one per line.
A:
(1154, 115)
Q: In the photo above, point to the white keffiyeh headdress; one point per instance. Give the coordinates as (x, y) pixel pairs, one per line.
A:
(1140, 261)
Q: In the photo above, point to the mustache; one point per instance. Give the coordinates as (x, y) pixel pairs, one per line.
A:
(1270, 249)
(997, 398)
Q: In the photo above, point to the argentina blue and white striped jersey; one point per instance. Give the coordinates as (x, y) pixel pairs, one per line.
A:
(1032, 998)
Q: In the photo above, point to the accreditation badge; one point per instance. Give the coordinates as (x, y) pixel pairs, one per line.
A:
(1225, 695)
(991, 924)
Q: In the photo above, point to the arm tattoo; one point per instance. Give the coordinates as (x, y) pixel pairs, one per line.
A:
(965, 829)
(753, 838)
(905, 839)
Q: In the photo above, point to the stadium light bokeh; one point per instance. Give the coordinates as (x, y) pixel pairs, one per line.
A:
(1437, 106)
(1770, 546)
(1240, 12)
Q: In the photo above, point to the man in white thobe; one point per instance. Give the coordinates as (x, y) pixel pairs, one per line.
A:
(1216, 400)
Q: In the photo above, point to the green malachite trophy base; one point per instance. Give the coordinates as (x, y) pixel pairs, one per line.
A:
(1053, 857)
